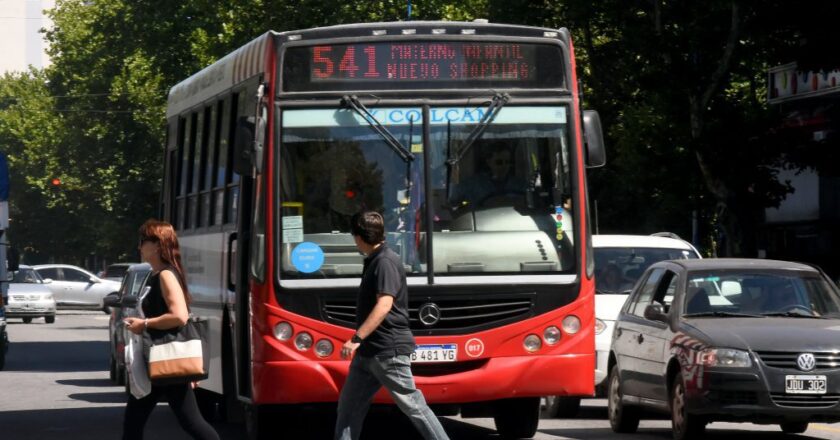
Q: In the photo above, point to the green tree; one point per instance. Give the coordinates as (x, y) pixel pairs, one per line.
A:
(681, 88)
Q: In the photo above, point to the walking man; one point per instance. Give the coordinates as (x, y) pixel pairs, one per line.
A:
(383, 338)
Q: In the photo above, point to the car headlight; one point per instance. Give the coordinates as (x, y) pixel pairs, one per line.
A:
(724, 357)
(600, 326)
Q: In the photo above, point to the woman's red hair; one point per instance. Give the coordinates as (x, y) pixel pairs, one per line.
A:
(164, 235)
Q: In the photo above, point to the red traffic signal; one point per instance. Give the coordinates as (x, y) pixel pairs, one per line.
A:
(55, 181)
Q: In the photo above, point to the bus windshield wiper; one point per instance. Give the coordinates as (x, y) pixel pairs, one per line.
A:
(499, 100)
(357, 106)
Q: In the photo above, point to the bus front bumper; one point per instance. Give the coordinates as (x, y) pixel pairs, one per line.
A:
(492, 379)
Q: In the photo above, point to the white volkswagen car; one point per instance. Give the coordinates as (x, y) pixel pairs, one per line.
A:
(619, 262)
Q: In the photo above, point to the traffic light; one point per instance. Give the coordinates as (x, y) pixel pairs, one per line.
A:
(55, 182)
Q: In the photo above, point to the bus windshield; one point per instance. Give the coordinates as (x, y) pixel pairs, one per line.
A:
(502, 207)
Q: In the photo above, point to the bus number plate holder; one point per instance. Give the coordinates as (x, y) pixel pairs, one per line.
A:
(427, 353)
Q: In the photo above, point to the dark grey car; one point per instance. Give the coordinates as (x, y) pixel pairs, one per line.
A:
(121, 305)
(727, 340)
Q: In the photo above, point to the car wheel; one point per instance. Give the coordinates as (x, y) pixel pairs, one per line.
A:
(623, 419)
(684, 425)
(121, 375)
(112, 369)
(794, 427)
(561, 406)
(27, 320)
(49, 319)
(4, 345)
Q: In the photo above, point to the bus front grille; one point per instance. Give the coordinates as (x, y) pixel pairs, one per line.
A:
(449, 313)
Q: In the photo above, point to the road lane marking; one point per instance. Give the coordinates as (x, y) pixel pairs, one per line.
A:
(825, 428)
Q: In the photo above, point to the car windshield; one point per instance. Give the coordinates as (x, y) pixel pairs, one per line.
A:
(761, 293)
(26, 276)
(618, 268)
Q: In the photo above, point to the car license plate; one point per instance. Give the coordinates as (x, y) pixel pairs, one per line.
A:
(805, 384)
(435, 353)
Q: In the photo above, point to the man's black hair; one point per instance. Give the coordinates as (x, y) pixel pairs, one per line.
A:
(369, 226)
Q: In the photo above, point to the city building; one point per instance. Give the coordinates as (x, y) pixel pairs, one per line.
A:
(21, 40)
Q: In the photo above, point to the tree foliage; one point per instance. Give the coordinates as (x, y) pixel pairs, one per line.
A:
(680, 86)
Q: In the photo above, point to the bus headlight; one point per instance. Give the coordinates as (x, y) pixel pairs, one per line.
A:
(551, 335)
(600, 326)
(323, 348)
(532, 343)
(303, 341)
(283, 331)
(571, 324)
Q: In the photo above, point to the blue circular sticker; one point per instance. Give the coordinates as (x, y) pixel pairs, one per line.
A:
(307, 257)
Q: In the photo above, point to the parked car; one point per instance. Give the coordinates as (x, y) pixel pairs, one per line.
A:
(30, 297)
(74, 287)
(619, 261)
(121, 307)
(115, 272)
(738, 340)
(4, 337)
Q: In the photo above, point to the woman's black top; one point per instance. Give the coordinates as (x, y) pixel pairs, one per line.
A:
(154, 305)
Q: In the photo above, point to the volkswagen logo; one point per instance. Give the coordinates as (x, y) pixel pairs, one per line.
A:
(429, 314)
(806, 362)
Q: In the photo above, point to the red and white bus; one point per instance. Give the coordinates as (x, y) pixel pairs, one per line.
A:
(469, 139)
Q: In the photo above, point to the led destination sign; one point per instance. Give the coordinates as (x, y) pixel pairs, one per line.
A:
(418, 65)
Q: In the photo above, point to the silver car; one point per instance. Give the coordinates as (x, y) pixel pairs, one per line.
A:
(75, 287)
(30, 297)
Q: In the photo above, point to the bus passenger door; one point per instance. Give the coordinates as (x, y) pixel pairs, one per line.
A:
(240, 241)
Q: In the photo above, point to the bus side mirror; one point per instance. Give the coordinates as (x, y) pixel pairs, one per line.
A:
(12, 259)
(596, 155)
(243, 144)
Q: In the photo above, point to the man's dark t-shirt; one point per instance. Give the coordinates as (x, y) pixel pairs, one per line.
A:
(384, 273)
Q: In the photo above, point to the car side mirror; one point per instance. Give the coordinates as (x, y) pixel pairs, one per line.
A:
(112, 300)
(93, 280)
(129, 301)
(47, 280)
(655, 312)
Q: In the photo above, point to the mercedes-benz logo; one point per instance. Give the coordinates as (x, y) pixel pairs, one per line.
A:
(429, 314)
(806, 362)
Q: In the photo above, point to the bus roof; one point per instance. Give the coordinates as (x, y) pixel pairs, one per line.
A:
(234, 68)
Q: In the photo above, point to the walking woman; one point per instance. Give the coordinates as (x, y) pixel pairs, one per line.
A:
(165, 309)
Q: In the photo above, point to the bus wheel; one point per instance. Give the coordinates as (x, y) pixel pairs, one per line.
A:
(257, 423)
(561, 406)
(517, 418)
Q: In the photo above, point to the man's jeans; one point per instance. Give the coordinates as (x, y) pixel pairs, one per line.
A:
(367, 374)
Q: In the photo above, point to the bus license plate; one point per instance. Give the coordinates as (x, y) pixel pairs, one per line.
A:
(435, 353)
(805, 384)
